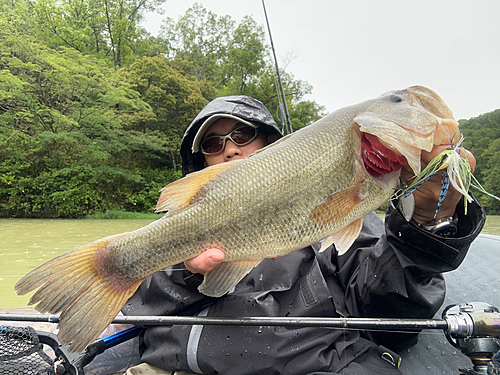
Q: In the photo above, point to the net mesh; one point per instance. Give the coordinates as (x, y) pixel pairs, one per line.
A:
(21, 353)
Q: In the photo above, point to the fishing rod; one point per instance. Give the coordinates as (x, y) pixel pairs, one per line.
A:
(283, 98)
(463, 322)
(474, 328)
(343, 323)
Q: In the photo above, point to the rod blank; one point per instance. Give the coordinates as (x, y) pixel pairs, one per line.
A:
(343, 323)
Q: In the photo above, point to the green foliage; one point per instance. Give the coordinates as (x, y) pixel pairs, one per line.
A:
(491, 176)
(200, 37)
(65, 150)
(245, 57)
(18, 14)
(174, 95)
(67, 175)
(92, 112)
(107, 29)
(305, 113)
(482, 138)
(235, 59)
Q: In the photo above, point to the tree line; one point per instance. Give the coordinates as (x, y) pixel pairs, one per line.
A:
(93, 107)
(482, 138)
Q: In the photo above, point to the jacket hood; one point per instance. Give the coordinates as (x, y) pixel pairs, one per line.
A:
(240, 106)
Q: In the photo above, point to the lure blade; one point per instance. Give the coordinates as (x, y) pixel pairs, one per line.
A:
(456, 171)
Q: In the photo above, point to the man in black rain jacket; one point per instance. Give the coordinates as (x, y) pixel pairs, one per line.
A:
(393, 270)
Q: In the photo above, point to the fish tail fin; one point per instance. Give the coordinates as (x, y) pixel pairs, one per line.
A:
(83, 293)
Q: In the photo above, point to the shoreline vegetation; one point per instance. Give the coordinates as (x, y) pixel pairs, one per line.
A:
(117, 214)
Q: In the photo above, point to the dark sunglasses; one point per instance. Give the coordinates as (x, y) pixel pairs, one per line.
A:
(240, 136)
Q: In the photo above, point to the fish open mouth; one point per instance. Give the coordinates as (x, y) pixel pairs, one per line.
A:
(379, 159)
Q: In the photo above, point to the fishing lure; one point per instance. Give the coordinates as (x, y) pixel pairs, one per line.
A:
(455, 170)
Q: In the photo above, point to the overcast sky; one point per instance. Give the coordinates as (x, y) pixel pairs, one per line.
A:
(350, 51)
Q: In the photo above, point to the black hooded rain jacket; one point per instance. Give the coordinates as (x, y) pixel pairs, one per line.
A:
(392, 270)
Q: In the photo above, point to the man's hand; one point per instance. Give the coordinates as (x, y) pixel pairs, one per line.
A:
(427, 195)
(205, 262)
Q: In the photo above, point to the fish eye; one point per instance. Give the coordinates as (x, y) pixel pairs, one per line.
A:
(395, 99)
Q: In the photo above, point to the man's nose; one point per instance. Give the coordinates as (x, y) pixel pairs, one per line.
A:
(231, 150)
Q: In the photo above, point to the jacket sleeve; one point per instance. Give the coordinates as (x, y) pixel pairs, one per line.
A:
(400, 273)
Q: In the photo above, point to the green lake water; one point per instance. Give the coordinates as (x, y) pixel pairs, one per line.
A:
(27, 243)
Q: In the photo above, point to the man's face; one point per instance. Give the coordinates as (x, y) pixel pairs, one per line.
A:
(232, 151)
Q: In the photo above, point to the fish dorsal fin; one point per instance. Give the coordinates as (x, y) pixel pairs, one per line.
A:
(345, 237)
(225, 276)
(185, 191)
(338, 205)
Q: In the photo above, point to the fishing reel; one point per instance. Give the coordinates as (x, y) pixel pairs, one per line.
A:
(474, 328)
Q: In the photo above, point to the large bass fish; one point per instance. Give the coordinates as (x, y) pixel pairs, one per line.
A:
(315, 184)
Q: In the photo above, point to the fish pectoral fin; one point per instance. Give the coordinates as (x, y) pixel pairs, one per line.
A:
(185, 191)
(345, 237)
(327, 242)
(338, 205)
(225, 276)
